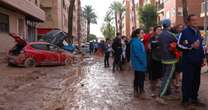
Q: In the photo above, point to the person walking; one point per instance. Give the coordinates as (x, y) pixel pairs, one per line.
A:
(138, 61)
(168, 59)
(107, 52)
(92, 47)
(155, 72)
(117, 52)
(123, 59)
(190, 41)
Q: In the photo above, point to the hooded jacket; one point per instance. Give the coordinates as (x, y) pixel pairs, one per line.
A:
(138, 55)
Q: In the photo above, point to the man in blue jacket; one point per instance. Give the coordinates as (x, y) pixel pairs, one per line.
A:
(168, 58)
(190, 42)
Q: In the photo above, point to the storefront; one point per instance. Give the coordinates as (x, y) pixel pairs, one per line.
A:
(20, 17)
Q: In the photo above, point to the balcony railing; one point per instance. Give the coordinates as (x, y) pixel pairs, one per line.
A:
(203, 7)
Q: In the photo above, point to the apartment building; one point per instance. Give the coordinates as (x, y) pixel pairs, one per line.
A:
(203, 9)
(20, 17)
(173, 10)
(57, 16)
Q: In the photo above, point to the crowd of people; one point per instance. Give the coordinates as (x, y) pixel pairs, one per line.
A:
(165, 54)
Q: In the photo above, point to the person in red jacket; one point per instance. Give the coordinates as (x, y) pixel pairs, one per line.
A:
(146, 41)
(147, 37)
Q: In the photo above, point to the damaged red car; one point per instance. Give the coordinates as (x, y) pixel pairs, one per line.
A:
(31, 54)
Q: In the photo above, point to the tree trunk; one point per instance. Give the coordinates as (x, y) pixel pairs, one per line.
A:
(120, 23)
(88, 29)
(185, 11)
(116, 22)
(70, 21)
(134, 16)
(79, 22)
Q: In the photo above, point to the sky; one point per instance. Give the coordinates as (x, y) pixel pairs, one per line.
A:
(100, 7)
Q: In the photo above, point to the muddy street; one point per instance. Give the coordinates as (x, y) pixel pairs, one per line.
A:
(83, 86)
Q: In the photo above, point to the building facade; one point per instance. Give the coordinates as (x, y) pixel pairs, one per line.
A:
(20, 17)
(129, 19)
(83, 29)
(57, 16)
(173, 9)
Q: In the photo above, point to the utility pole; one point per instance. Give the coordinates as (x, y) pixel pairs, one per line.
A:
(205, 20)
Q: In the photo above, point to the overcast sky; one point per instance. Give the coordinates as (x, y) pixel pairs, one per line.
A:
(101, 7)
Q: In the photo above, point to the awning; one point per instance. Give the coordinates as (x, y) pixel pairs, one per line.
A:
(29, 9)
(42, 31)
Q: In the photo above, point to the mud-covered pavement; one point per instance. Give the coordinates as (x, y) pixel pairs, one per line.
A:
(83, 86)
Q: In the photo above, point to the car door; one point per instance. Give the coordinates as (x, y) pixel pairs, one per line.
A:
(54, 54)
(41, 53)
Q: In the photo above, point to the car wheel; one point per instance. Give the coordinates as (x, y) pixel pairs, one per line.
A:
(29, 62)
(67, 61)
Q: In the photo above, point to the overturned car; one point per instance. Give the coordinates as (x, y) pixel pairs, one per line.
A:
(30, 54)
(58, 37)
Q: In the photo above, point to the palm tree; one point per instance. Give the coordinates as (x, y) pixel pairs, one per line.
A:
(90, 16)
(70, 20)
(118, 9)
(107, 29)
(108, 17)
(185, 11)
(134, 14)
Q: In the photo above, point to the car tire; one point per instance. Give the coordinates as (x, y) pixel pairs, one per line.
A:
(67, 61)
(29, 62)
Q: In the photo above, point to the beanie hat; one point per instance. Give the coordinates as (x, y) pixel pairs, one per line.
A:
(166, 23)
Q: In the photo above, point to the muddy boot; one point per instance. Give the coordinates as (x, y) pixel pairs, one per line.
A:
(198, 104)
(172, 98)
(136, 93)
(144, 96)
(153, 88)
(161, 101)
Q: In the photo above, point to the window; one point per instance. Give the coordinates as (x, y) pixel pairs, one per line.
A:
(4, 23)
(40, 46)
(180, 11)
(48, 14)
(53, 48)
(203, 7)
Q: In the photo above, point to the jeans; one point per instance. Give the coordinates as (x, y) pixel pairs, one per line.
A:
(117, 62)
(106, 59)
(139, 81)
(168, 71)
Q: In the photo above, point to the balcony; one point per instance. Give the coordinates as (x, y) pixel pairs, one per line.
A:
(203, 9)
(46, 3)
(26, 7)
